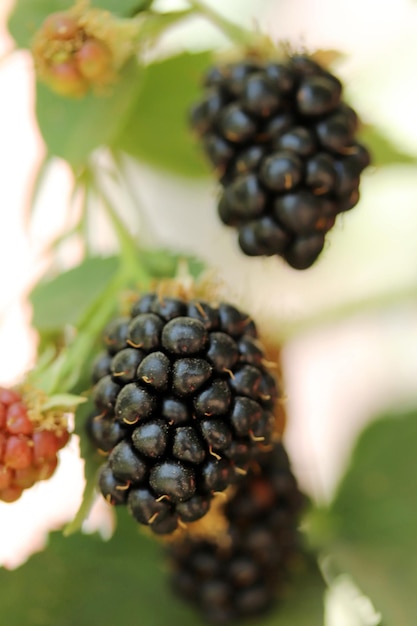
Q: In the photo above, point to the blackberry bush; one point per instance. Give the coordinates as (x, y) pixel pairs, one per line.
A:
(242, 573)
(28, 447)
(283, 144)
(183, 400)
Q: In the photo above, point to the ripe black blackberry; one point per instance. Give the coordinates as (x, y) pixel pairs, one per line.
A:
(242, 573)
(283, 144)
(183, 401)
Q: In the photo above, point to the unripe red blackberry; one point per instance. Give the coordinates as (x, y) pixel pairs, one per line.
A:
(241, 572)
(185, 401)
(29, 442)
(284, 145)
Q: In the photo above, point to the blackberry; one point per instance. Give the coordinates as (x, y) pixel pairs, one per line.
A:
(182, 407)
(283, 144)
(242, 574)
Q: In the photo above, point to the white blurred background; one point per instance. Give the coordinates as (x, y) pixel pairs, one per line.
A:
(339, 374)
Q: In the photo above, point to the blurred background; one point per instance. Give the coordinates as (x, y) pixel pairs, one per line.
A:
(354, 355)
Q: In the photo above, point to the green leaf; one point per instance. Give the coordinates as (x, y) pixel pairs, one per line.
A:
(83, 580)
(63, 401)
(64, 299)
(28, 15)
(374, 518)
(73, 128)
(92, 462)
(382, 149)
(303, 602)
(165, 263)
(157, 131)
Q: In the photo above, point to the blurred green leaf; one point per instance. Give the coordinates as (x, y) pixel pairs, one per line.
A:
(73, 128)
(83, 580)
(382, 149)
(64, 299)
(374, 517)
(165, 263)
(157, 131)
(28, 15)
(92, 462)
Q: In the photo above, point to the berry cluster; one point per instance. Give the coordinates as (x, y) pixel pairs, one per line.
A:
(241, 575)
(183, 400)
(69, 58)
(28, 452)
(283, 143)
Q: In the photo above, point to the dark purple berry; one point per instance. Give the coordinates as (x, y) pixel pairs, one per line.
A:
(184, 336)
(115, 334)
(125, 463)
(250, 351)
(236, 125)
(189, 375)
(279, 77)
(246, 197)
(101, 366)
(216, 433)
(143, 304)
(204, 113)
(298, 212)
(104, 432)
(320, 173)
(174, 411)
(134, 404)
(246, 381)
(216, 474)
(187, 445)
(318, 95)
(258, 96)
(115, 491)
(174, 480)
(124, 365)
(299, 140)
(281, 171)
(304, 251)
(218, 150)
(232, 321)
(168, 308)
(151, 438)
(145, 331)
(336, 132)
(145, 507)
(249, 159)
(246, 412)
(105, 394)
(202, 311)
(155, 370)
(195, 508)
(222, 352)
(263, 237)
(213, 401)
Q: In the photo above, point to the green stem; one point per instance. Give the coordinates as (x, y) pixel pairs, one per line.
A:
(407, 295)
(235, 33)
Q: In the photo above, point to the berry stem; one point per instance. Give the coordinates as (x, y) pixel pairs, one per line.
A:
(374, 303)
(235, 33)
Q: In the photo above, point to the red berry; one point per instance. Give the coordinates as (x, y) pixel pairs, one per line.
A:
(18, 422)
(47, 469)
(62, 438)
(26, 477)
(45, 446)
(11, 494)
(18, 453)
(93, 59)
(60, 26)
(8, 396)
(6, 475)
(65, 79)
(3, 415)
